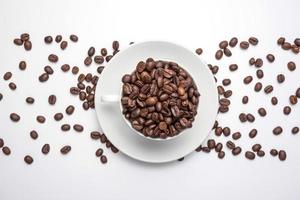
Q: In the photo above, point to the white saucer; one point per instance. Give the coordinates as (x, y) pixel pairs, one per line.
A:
(117, 130)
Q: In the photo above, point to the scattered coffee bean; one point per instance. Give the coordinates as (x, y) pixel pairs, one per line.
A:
(15, 117)
(75, 70)
(248, 79)
(280, 78)
(103, 51)
(221, 154)
(244, 45)
(236, 151)
(30, 100)
(257, 87)
(206, 149)
(273, 152)
(227, 52)
(295, 49)
(103, 159)
(233, 42)
(245, 99)
(250, 155)
(74, 38)
(63, 45)
(34, 135)
(91, 51)
(258, 63)
(270, 58)
(226, 81)
(6, 150)
(53, 58)
(58, 116)
(219, 54)
(218, 131)
(298, 92)
(253, 133)
(218, 147)
(48, 70)
(253, 40)
(297, 42)
(88, 61)
(262, 112)
(70, 109)
(78, 128)
(58, 38)
(108, 58)
(199, 51)
(293, 99)
(48, 39)
(223, 109)
(52, 99)
(274, 101)
(74, 90)
(295, 130)
(223, 44)
(1, 96)
(46, 149)
(261, 153)
(286, 46)
(65, 149)
(268, 89)
(230, 145)
(236, 135)
(99, 152)
(18, 42)
(211, 143)
(277, 130)
(65, 67)
(291, 66)
(224, 102)
(221, 90)
(256, 147)
(250, 117)
(65, 127)
(25, 37)
(1, 142)
(27, 45)
(44, 77)
(99, 59)
(7, 76)
(233, 67)
(282, 155)
(115, 45)
(227, 93)
(22, 65)
(243, 117)
(41, 119)
(226, 131)
(287, 110)
(252, 61)
(28, 159)
(95, 135)
(259, 73)
(12, 86)
(280, 41)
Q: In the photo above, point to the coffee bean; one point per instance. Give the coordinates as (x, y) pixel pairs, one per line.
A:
(108, 58)
(250, 155)
(223, 109)
(41, 119)
(221, 90)
(261, 153)
(63, 45)
(65, 67)
(226, 81)
(27, 45)
(22, 65)
(282, 155)
(236, 135)
(258, 63)
(12, 86)
(295, 49)
(65, 127)
(256, 147)
(78, 128)
(280, 78)
(6, 150)
(243, 117)
(199, 51)
(103, 51)
(74, 38)
(58, 38)
(244, 45)
(7, 76)
(99, 152)
(99, 59)
(295, 130)
(95, 135)
(1, 142)
(280, 41)
(15, 117)
(52, 99)
(250, 117)
(221, 154)
(53, 58)
(1, 96)
(252, 61)
(248, 79)
(227, 93)
(206, 149)
(291, 66)
(245, 99)
(293, 99)
(274, 100)
(218, 147)
(233, 67)
(65, 149)
(48, 70)
(298, 92)
(85, 106)
(223, 44)
(259, 73)
(91, 51)
(262, 112)
(74, 90)
(30, 100)
(28, 159)
(48, 39)
(44, 77)
(115, 45)
(224, 102)
(258, 87)
(198, 149)
(286, 46)
(236, 151)
(70, 109)
(215, 69)
(211, 143)
(253, 40)
(270, 58)
(218, 131)
(103, 159)
(25, 37)
(287, 110)
(273, 152)
(233, 42)
(88, 61)
(227, 52)
(253, 133)
(297, 42)
(34, 135)
(46, 149)
(219, 54)
(58, 116)
(18, 41)
(277, 130)
(226, 131)
(268, 89)
(230, 145)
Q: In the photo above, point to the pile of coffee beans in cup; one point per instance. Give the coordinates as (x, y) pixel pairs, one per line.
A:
(159, 98)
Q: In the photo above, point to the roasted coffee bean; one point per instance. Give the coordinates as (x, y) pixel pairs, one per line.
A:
(218, 131)
(227, 52)
(236, 135)
(91, 51)
(65, 149)
(219, 54)
(74, 90)
(1, 142)
(53, 58)
(226, 131)
(75, 70)
(198, 149)
(252, 61)
(280, 78)
(295, 49)
(33, 134)
(256, 147)
(270, 58)
(224, 102)
(282, 155)
(291, 66)
(199, 51)
(46, 149)
(41, 119)
(223, 109)
(6, 150)
(250, 155)
(63, 45)
(48, 39)
(233, 42)
(65, 127)
(268, 89)
(227, 93)
(70, 109)
(277, 130)
(250, 117)
(27, 45)
(48, 70)
(245, 99)
(99, 152)
(103, 51)
(259, 62)
(298, 92)
(286, 46)
(85, 105)
(7, 76)
(258, 87)
(108, 58)
(287, 110)
(297, 42)
(18, 42)
(230, 145)
(280, 41)
(30, 100)
(221, 90)
(226, 81)
(244, 45)
(12, 86)
(115, 45)
(223, 44)
(58, 38)
(58, 116)
(206, 149)
(215, 69)
(99, 59)
(103, 159)
(74, 38)
(273, 152)
(211, 143)
(25, 37)
(248, 79)
(262, 112)
(295, 130)
(28, 159)
(88, 61)
(218, 147)
(78, 128)
(236, 151)
(274, 100)
(233, 67)
(1, 96)
(221, 154)
(15, 117)
(52, 99)
(293, 99)
(259, 73)
(100, 69)
(44, 77)
(95, 135)
(253, 133)
(261, 153)
(65, 67)
(22, 65)
(253, 40)
(243, 117)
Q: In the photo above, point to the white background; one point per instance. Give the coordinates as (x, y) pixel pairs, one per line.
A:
(80, 175)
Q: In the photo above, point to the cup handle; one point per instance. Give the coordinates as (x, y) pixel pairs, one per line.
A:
(110, 98)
